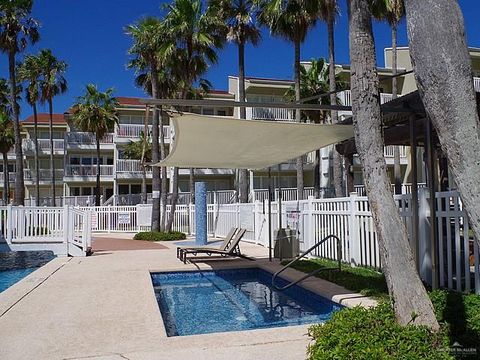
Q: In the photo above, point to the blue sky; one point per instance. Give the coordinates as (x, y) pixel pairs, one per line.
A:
(89, 36)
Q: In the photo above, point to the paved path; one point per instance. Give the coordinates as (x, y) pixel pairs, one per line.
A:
(113, 244)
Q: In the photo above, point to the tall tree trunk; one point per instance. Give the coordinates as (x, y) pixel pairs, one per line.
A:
(446, 88)
(299, 161)
(97, 191)
(52, 161)
(404, 284)
(6, 179)
(155, 153)
(142, 160)
(163, 184)
(19, 196)
(397, 171)
(337, 158)
(174, 199)
(242, 173)
(37, 160)
(191, 185)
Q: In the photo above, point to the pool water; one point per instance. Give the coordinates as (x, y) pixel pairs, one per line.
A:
(10, 277)
(203, 302)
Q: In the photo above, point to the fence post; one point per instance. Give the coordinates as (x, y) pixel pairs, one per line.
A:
(66, 227)
(109, 216)
(310, 228)
(9, 224)
(353, 236)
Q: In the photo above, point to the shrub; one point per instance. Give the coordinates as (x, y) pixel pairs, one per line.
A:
(360, 333)
(160, 236)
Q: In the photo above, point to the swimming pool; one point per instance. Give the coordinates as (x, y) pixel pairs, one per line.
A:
(203, 302)
(16, 265)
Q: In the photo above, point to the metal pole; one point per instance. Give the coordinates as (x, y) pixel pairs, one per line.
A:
(269, 215)
(279, 198)
(413, 162)
(433, 216)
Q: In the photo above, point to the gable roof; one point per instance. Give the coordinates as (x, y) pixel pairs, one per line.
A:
(44, 118)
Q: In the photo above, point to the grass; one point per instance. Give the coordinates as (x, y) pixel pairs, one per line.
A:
(365, 281)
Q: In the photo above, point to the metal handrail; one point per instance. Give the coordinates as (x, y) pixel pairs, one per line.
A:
(339, 259)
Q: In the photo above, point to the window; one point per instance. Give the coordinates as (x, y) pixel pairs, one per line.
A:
(135, 189)
(75, 191)
(222, 113)
(86, 161)
(123, 189)
(74, 160)
(109, 161)
(207, 111)
(86, 191)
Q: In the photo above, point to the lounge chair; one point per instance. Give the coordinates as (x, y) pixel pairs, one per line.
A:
(233, 248)
(223, 246)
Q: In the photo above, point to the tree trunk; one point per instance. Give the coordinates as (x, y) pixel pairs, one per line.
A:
(6, 178)
(410, 299)
(299, 161)
(397, 171)
(97, 192)
(155, 153)
(242, 173)
(174, 200)
(191, 185)
(52, 161)
(337, 158)
(37, 160)
(142, 160)
(163, 184)
(443, 73)
(19, 196)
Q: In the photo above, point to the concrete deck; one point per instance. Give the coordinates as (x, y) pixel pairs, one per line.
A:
(103, 307)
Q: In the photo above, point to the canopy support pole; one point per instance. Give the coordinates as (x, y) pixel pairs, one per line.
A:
(269, 215)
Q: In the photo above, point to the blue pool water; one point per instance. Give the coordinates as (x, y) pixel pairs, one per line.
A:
(10, 277)
(15, 265)
(203, 302)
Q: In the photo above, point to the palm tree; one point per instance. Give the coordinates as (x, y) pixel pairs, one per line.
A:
(17, 29)
(392, 11)
(328, 12)
(7, 140)
(52, 84)
(290, 20)
(196, 34)
(148, 35)
(30, 71)
(141, 150)
(96, 112)
(410, 299)
(238, 16)
(315, 81)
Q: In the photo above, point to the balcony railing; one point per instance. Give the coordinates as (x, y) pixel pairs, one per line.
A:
(346, 98)
(389, 151)
(44, 145)
(88, 170)
(134, 131)
(130, 166)
(11, 177)
(45, 174)
(260, 113)
(476, 83)
(85, 138)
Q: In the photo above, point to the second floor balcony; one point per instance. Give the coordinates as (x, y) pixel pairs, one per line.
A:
(129, 166)
(44, 145)
(44, 174)
(264, 113)
(133, 131)
(79, 139)
(88, 170)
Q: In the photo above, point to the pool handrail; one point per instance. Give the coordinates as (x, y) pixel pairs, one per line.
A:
(339, 259)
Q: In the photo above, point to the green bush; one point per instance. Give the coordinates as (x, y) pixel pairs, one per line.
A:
(365, 334)
(160, 236)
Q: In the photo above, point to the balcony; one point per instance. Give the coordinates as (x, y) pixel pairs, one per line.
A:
(45, 174)
(128, 168)
(44, 145)
(88, 170)
(88, 139)
(476, 83)
(345, 98)
(11, 177)
(132, 131)
(389, 151)
(278, 114)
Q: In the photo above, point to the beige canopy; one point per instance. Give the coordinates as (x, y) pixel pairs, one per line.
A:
(221, 142)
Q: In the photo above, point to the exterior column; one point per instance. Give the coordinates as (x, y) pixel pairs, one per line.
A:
(200, 213)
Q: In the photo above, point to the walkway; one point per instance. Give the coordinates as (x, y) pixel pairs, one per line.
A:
(115, 242)
(104, 307)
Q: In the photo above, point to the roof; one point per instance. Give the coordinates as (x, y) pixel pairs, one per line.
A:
(44, 118)
(135, 101)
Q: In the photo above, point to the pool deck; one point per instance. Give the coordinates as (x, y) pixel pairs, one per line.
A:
(104, 307)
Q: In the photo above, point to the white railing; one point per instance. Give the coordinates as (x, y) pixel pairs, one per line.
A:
(85, 138)
(346, 98)
(11, 177)
(476, 84)
(130, 166)
(44, 145)
(288, 194)
(389, 151)
(113, 218)
(279, 114)
(134, 131)
(45, 174)
(88, 170)
(406, 188)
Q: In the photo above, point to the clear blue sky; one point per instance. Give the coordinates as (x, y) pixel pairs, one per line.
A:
(89, 36)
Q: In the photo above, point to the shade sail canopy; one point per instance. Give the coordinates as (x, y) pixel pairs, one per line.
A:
(220, 142)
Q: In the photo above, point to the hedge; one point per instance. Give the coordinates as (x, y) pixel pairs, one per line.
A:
(160, 236)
